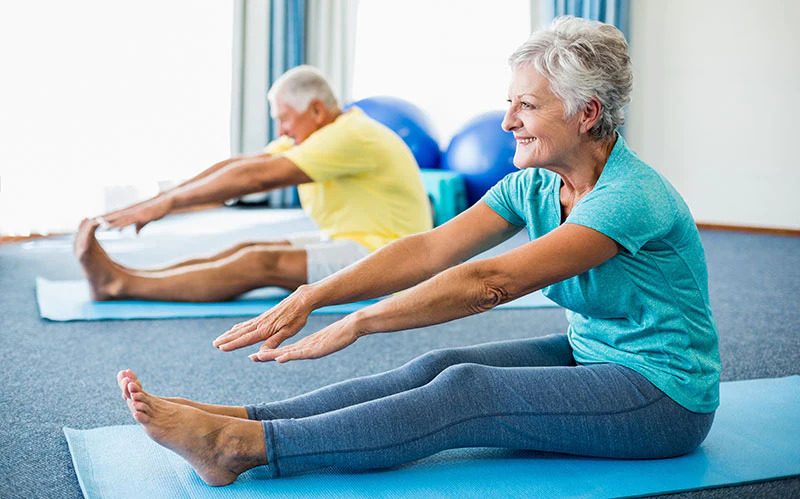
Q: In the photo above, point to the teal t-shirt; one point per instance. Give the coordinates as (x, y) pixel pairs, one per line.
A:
(646, 308)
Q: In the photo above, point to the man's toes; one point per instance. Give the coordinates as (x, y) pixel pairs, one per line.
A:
(88, 225)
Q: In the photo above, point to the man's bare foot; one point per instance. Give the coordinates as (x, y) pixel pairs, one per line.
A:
(105, 278)
(127, 376)
(219, 448)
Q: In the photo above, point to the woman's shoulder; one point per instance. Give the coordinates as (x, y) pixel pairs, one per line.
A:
(628, 174)
(530, 179)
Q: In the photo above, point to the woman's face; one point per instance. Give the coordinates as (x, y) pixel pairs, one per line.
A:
(536, 117)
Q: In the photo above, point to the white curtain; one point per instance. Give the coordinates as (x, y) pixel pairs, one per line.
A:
(330, 42)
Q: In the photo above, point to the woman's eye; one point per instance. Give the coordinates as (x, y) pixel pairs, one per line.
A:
(525, 105)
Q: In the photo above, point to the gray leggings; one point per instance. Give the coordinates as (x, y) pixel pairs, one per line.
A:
(519, 394)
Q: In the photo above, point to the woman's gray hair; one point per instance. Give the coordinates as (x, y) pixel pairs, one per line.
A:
(299, 86)
(582, 59)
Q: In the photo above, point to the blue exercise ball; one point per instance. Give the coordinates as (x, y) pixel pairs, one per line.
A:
(482, 152)
(409, 122)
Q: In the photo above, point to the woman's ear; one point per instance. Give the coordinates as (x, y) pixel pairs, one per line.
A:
(591, 114)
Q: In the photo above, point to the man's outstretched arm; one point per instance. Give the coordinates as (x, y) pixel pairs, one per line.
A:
(236, 178)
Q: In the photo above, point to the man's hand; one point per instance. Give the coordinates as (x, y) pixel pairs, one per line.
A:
(333, 338)
(139, 214)
(272, 327)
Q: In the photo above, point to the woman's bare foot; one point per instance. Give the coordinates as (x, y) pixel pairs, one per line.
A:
(106, 279)
(127, 376)
(219, 448)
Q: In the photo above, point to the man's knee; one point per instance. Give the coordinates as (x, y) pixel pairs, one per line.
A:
(276, 261)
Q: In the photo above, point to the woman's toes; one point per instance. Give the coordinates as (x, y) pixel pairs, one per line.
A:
(131, 405)
(141, 417)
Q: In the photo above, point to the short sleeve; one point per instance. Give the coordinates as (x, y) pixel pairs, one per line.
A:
(630, 214)
(333, 151)
(279, 145)
(503, 199)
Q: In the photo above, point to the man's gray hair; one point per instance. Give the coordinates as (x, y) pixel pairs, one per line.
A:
(298, 87)
(582, 59)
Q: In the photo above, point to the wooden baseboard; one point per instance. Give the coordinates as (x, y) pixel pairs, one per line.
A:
(702, 226)
(17, 239)
(757, 230)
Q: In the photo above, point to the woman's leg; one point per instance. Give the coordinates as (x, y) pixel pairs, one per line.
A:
(600, 410)
(546, 351)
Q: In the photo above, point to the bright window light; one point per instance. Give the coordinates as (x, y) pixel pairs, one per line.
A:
(449, 58)
(97, 94)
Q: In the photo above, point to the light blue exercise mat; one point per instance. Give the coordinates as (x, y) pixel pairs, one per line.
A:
(755, 437)
(70, 301)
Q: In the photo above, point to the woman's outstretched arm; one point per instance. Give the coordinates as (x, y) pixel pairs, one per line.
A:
(395, 267)
(463, 290)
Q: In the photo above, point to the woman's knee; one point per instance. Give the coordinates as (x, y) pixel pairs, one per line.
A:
(460, 376)
(434, 362)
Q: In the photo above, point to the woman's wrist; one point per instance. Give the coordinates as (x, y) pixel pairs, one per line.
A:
(309, 296)
(361, 322)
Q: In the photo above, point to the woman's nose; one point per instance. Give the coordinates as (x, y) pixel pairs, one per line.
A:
(510, 121)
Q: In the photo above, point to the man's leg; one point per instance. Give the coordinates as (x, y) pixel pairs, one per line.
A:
(218, 256)
(250, 268)
(219, 448)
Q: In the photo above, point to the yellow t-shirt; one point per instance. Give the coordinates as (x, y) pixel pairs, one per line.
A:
(366, 183)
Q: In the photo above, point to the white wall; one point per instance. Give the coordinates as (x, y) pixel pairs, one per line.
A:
(715, 105)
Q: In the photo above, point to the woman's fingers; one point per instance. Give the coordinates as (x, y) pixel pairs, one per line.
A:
(236, 332)
(242, 338)
(322, 343)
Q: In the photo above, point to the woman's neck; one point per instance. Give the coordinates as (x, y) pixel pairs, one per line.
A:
(580, 175)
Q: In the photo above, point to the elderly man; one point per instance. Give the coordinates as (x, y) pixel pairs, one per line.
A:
(357, 180)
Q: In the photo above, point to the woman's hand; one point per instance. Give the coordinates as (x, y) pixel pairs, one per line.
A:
(139, 214)
(333, 338)
(272, 327)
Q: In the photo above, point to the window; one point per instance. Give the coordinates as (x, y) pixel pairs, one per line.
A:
(448, 58)
(97, 94)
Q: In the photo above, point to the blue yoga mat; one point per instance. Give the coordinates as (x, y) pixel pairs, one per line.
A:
(70, 301)
(755, 437)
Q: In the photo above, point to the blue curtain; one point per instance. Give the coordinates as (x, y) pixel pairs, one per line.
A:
(614, 12)
(286, 50)
(287, 42)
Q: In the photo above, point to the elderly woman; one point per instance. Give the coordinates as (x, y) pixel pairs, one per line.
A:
(635, 376)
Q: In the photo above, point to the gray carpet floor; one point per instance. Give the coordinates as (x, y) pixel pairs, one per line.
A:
(63, 374)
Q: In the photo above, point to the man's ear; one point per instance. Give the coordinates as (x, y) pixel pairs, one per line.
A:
(319, 112)
(590, 114)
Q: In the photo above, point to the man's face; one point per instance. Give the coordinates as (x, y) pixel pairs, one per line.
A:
(297, 125)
